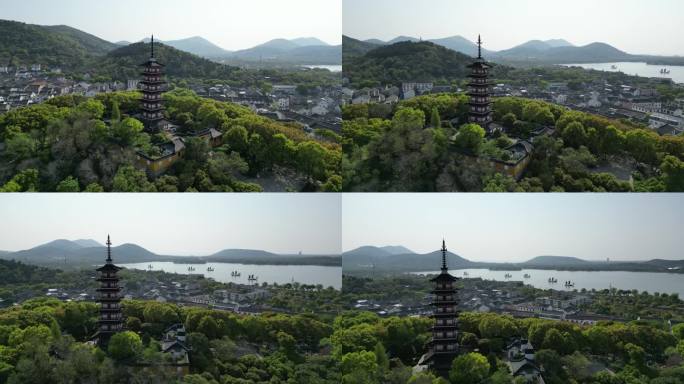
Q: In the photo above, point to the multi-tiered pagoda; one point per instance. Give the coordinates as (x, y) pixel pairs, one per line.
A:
(444, 344)
(109, 297)
(152, 87)
(478, 90)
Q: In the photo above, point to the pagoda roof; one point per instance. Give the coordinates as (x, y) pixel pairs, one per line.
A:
(479, 62)
(152, 62)
(109, 267)
(444, 276)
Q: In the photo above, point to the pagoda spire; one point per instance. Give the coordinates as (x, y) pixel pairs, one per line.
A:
(109, 250)
(152, 47)
(444, 250)
(479, 47)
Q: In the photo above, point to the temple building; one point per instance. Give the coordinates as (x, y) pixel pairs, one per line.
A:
(152, 87)
(444, 344)
(109, 296)
(479, 91)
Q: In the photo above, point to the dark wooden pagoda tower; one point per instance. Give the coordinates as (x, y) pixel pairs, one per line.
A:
(479, 91)
(444, 344)
(152, 87)
(109, 297)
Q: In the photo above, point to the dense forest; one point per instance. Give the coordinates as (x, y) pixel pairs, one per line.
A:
(415, 147)
(43, 341)
(72, 143)
(405, 61)
(606, 353)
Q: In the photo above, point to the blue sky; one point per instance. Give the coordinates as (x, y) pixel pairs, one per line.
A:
(176, 224)
(231, 24)
(635, 26)
(517, 227)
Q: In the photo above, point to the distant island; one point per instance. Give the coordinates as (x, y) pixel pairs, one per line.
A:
(371, 258)
(551, 51)
(63, 253)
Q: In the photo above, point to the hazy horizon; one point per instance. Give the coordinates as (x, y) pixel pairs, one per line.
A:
(176, 224)
(631, 25)
(232, 25)
(518, 227)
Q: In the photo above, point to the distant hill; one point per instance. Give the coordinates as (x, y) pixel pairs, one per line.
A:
(308, 41)
(197, 46)
(551, 51)
(553, 261)
(460, 44)
(296, 51)
(396, 249)
(399, 39)
(85, 253)
(124, 63)
(353, 48)
(61, 46)
(88, 243)
(559, 43)
(371, 259)
(374, 41)
(539, 51)
(407, 61)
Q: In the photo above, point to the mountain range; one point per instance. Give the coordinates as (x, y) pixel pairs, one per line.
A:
(22, 43)
(553, 51)
(382, 259)
(87, 252)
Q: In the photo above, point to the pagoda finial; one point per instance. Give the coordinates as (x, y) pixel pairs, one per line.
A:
(444, 251)
(479, 47)
(109, 250)
(152, 47)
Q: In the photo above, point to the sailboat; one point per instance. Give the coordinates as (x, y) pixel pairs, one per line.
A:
(210, 269)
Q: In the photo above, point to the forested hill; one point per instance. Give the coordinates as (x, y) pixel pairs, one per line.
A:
(406, 61)
(124, 63)
(352, 48)
(61, 46)
(14, 272)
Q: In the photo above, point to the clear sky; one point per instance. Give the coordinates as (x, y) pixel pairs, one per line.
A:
(635, 26)
(176, 224)
(230, 24)
(516, 227)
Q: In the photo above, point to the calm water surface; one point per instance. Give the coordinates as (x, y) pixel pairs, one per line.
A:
(639, 69)
(281, 274)
(641, 281)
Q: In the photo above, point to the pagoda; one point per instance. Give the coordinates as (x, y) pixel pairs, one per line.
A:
(478, 89)
(109, 297)
(152, 87)
(444, 344)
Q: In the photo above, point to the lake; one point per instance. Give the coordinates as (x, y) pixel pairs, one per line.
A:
(331, 68)
(639, 69)
(539, 278)
(281, 274)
